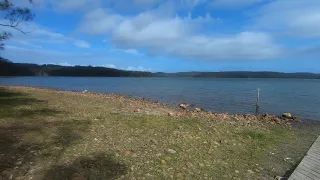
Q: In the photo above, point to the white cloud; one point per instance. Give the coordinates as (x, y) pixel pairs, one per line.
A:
(132, 51)
(233, 3)
(39, 34)
(177, 37)
(81, 44)
(139, 68)
(99, 21)
(290, 17)
(128, 51)
(73, 5)
(180, 36)
(110, 66)
(63, 64)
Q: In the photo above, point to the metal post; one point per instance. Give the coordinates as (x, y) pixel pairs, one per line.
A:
(258, 98)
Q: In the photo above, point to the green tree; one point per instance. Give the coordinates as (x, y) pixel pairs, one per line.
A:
(12, 17)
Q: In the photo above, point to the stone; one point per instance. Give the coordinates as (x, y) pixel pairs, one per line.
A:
(287, 115)
(250, 171)
(295, 117)
(280, 178)
(171, 151)
(183, 105)
(170, 114)
(197, 110)
(78, 177)
(154, 141)
(179, 176)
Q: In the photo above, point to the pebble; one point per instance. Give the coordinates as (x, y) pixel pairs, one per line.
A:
(171, 151)
(250, 171)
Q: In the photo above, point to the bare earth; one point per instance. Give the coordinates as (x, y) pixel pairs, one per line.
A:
(50, 134)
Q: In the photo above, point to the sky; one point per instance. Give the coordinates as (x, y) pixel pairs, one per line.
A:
(171, 35)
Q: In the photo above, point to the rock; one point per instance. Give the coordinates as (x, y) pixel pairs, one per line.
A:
(179, 176)
(137, 110)
(287, 115)
(295, 117)
(154, 141)
(170, 114)
(197, 110)
(183, 105)
(78, 177)
(280, 178)
(266, 115)
(250, 171)
(171, 151)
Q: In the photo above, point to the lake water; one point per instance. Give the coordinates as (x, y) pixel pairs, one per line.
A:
(298, 96)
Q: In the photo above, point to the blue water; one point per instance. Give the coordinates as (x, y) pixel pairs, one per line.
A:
(298, 96)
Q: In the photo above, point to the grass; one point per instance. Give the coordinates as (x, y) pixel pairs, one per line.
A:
(46, 134)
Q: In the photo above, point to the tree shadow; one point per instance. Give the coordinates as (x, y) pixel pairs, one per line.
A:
(95, 167)
(20, 106)
(29, 137)
(22, 144)
(27, 134)
(10, 99)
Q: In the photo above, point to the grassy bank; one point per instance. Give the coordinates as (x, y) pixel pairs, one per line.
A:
(47, 134)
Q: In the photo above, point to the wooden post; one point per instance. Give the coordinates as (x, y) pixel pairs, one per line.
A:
(258, 98)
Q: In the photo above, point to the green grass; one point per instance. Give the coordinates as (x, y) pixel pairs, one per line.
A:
(62, 135)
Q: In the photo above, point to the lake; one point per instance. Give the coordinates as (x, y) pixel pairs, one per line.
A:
(298, 96)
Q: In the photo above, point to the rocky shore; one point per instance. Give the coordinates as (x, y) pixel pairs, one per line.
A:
(53, 134)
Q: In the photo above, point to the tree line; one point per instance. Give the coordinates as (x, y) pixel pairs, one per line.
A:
(7, 68)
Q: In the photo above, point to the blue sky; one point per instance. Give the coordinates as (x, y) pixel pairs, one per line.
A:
(171, 36)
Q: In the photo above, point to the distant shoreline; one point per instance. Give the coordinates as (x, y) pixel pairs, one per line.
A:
(163, 77)
(8, 68)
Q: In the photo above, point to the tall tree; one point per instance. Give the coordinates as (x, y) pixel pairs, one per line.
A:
(12, 17)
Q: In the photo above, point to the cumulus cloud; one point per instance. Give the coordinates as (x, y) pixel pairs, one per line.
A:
(100, 21)
(233, 3)
(81, 44)
(110, 66)
(72, 5)
(40, 34)
(293, 18)
(128, 51)
(41, 56)
(181, 37)
(139, 68)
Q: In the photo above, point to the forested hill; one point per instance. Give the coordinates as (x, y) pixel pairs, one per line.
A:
(8, 68)
(240, 74)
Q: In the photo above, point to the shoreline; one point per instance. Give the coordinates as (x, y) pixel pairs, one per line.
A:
(175, 111)
(47, 131)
